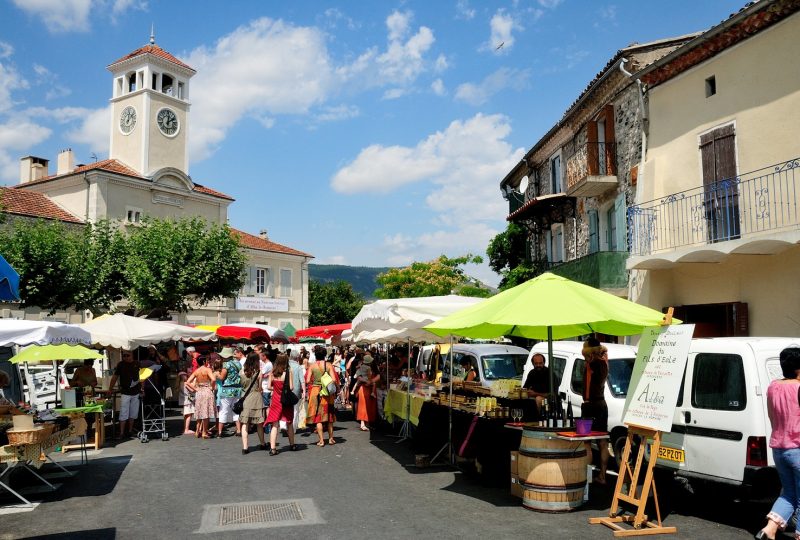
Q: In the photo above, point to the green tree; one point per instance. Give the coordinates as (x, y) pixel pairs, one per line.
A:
(332, 303)
(438, 277)
(507, 257)
(97, 268)
(171, 263)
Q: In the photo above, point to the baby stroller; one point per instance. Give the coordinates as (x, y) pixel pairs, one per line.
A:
(153, 410)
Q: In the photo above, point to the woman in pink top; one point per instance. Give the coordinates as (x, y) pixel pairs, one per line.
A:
(783, 406)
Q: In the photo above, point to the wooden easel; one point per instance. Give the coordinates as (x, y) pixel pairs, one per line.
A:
(641, 525)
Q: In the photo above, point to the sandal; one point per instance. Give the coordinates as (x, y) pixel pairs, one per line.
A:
(331, 442)
(294, 448)
(321, 443)
(273, 451)
(364, 428)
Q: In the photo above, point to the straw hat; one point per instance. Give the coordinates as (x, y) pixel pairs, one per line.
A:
(226, 352)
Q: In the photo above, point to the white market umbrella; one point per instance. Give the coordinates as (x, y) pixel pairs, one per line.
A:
(15, 332)
(125, 332)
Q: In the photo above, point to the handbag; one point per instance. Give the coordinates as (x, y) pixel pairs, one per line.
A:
(288, 398)
(328, 384)
(238, 407)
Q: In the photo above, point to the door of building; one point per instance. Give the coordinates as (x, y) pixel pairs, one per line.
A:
(721, 189)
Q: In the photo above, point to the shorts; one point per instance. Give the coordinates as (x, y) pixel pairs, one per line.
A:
(598, 412)
(226, 413)
(128, 407)
(266, 397)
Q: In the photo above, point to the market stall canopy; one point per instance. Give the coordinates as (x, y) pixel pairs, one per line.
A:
(48, 353)
(9, 282)
(13, 332)
(568, 308)
(126, 332)
(324, 332)
(269, 329)
(401, 319)
(289, 330)
(279, 336)
(249, 334)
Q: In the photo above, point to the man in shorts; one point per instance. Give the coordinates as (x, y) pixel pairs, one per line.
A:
(130, 389)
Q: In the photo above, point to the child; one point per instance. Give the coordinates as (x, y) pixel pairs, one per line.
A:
(186, 399)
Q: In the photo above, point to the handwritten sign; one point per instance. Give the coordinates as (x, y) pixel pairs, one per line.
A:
(657, 375)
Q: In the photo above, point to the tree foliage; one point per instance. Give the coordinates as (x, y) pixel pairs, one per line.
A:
(170, 263)
(438, 277)
(507, 257)
(332, 303)
(163, 264)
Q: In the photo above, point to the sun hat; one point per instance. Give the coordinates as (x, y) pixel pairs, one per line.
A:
(367, 359)
(226, 352)
(190, 349)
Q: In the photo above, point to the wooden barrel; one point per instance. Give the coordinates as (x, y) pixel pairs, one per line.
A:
(552, 471)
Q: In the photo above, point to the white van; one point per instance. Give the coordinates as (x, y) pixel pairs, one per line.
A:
(491, 361)
(568, 370)
(721, 429)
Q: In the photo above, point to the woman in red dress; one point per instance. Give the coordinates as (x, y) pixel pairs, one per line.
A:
(321, 409)
(367, 411)
(281, 374)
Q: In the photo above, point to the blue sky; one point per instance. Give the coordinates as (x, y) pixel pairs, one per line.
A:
(365, 132)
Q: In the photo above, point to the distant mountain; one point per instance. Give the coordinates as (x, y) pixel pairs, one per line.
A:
(362, 278)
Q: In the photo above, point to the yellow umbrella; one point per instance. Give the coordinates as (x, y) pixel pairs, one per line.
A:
(48, 353)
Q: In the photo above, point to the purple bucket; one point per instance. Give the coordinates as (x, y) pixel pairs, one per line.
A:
(583, 426)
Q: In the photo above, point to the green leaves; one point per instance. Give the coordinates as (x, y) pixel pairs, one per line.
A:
(162, 264)
(438, 277)
(332, 303)
(507, 254)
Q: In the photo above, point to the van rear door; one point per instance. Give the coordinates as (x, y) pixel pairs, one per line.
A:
(714, 414)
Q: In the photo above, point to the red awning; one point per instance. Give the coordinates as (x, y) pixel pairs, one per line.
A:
(243, 333)
(325, 332)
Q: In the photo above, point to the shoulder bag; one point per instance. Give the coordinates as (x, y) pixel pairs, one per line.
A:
(288, 398)
(238, 407)
(328, 384)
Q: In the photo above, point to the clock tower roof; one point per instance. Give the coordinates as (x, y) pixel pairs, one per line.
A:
(154, 50)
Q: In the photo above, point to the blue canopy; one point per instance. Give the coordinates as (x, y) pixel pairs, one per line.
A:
(9, 282)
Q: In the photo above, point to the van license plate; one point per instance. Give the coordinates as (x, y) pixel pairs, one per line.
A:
(671, 454)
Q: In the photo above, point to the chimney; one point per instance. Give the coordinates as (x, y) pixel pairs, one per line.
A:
(32, 168)
(66, 161)
(263, 234)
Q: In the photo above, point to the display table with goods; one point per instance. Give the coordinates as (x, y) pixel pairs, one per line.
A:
(29, 446)
(97, 409)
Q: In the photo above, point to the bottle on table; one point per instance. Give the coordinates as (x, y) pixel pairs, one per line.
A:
(570, 414)
(559, 414)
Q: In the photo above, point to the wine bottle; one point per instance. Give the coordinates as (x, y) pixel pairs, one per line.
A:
(551, 418)
(559, 415)
(546, 415)
(570, 414)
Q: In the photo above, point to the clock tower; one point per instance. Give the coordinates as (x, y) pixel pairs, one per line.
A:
(150, 110)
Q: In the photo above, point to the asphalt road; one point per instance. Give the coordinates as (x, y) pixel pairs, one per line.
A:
(366, 486)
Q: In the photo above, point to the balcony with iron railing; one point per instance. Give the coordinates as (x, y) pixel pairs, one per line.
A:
(753, 213)
(592, 170)
(603, 270)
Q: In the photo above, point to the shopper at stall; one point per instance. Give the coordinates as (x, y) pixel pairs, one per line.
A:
(186, 400)
(321, 409)
(298, 387)
(130, 388)
(230, 392)
(253, 412)
(538, 380)
(367, 379)
(203, 379)
(594, 400)
(266, 366)
(783, 407)
(191, 357)
(470, 374)
(278, 412)
(84, 375)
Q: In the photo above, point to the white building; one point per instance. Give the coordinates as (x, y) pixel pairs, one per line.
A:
(147, 174)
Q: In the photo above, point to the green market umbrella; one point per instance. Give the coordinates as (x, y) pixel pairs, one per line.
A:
(48, 353)
(289, 329)
(549, 307)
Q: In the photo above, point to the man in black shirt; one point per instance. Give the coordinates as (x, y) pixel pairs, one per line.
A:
(538, 379)
(130, 387)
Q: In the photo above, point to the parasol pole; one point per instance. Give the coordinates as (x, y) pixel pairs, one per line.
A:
(550, 358)
(449, 444)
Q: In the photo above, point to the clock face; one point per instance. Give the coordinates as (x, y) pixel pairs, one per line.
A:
(167, 122)
(127, 120)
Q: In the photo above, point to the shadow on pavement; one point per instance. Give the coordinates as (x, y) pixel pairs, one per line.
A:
(90, 534)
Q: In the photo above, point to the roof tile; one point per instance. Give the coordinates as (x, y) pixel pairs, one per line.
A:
(32, 204)
(155, 50)
(256, 242)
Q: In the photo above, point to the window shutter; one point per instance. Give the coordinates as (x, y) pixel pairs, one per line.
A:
(594, 232)
(250, 283)
(619, 215)
(270, 282)
(592, 150)
(610, 137)
(548, 245)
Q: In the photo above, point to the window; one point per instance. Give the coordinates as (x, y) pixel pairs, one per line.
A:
(261, 280)
(611, 229)
(620, 371)
(286, 282)
(166, 84)
(154, 84)
(719, 382)
(180, 90)
(131, 82)
(711, 86)
(133, 215)
(554, 239)
(503, 366)
(559, 365)
(577, 381)
(555, 174)
(594, 231)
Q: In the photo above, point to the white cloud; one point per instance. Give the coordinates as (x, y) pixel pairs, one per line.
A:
(438, 87)
(121, 6)
(463, 166)
(17, 136)
(59, 15)
(10, 80)
(293, 75)
(464, 11)
(501, 39)
(478, 94)
(338, 112)
(334, 259)
(6, 50)
(550, 4)
(403, 61)
(333, 16)
(608, 14)
(398, 24)
(441, 63)
(93, 130)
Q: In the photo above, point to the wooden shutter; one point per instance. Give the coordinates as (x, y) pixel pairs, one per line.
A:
(609, 150)
(718, 154)
(548, 245)
(594, 231)
(250, 284)
(622, 229)
(270, 286)
(592, 155)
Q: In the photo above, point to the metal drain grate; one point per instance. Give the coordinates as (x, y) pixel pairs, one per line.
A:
(229, 517)
(259, 513)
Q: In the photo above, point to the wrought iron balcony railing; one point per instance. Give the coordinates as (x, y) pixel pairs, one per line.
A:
(591, 170)
(752, 203)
